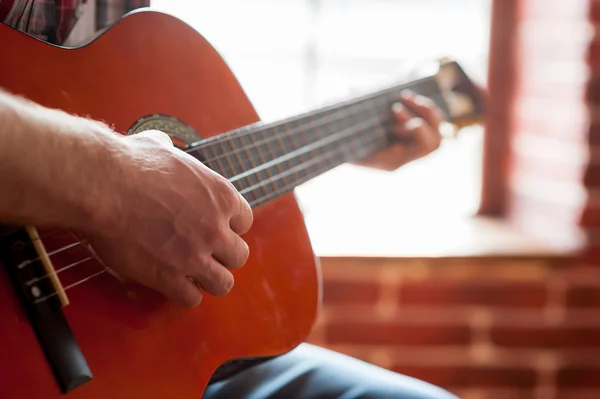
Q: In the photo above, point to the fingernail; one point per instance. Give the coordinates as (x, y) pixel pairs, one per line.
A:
(421, 100)
(407, 93)
(398, 108)
(229, 285)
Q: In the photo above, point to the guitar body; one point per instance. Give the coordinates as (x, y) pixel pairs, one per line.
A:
(137, 344)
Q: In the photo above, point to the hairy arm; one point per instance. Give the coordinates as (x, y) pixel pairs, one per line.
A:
(43, 172)
(135, 198)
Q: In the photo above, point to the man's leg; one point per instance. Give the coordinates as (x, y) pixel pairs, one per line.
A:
(316, 373)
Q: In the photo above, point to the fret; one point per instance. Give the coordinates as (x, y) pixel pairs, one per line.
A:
(286, 147)
(275, 151)
(248, 158)
(210, 156)
(300, 140)
(216, 156)
(233, 147)
(263, 153)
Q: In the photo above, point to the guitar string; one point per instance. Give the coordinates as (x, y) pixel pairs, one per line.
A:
(45, 298)
(318, 144)
(262, 166)
(38, 279)
(312, 161)
(301, 150)
(349, 104)
(225, 137)
(283, 190)
(291, 185)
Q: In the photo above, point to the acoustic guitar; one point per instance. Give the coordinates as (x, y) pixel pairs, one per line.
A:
(70, 327)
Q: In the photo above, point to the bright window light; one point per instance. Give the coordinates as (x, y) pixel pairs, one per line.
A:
(295, 55)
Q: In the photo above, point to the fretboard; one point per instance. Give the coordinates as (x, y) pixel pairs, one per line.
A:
(266, 161)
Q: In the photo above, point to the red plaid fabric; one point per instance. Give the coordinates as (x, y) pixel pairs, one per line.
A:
(53, 20)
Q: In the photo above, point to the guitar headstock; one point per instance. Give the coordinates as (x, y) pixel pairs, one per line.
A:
(464, 99)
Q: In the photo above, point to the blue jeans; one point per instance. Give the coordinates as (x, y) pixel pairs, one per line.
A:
(310, 372)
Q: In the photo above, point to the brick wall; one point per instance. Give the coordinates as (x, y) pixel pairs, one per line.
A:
(484, 328)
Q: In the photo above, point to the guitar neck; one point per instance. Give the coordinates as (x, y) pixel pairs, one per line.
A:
(266, 161)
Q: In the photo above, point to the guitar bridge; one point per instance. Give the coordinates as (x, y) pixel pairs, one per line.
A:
(43, 306)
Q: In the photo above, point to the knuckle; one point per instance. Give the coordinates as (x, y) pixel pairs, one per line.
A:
(248, 219)
(226, 193)
(214, 233)
(156, 137)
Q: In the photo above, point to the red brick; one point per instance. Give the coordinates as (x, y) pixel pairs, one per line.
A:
(350, 292)
(592, 93)
(594, 14)
(473, 292)
(584, 297)
(593, 56)
(371, 332)
(545, 337)
(594, 133)
(590, 217)
(591, 176)
(579, 377)
(472, 376)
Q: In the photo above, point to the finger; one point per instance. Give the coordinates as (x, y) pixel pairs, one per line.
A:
(390, 158)
(242, 221)
(232, 252)
(406, 123)
(425, 138)
(179, 289)
(401, 114)
(136, 266)
(423, 107)
(212, 276)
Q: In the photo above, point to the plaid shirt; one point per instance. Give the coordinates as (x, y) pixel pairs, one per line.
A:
(53, 21)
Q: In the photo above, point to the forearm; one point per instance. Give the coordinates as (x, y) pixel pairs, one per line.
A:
(49, 165)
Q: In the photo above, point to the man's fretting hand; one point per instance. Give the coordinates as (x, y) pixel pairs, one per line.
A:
(168, 218)
(416, 118)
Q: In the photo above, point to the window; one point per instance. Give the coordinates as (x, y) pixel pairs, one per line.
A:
(295, 55)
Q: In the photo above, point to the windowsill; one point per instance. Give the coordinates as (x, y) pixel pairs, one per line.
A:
(462, 237)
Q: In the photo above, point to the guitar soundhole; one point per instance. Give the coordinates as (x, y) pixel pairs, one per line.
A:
(180, 132)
